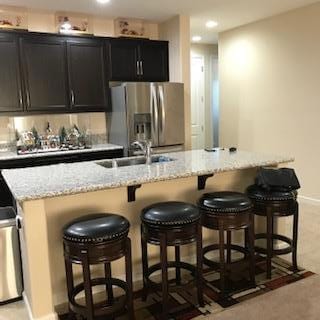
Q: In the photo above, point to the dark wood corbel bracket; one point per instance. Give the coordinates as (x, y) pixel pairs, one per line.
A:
(202, 181)
(132, 192)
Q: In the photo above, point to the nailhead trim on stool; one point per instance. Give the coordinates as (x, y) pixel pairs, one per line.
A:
(180, 213)
(96, 228)
(97, 240)
(256, 193)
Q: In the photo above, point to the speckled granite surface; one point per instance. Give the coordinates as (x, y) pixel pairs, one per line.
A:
(66, 179)
(10, 155)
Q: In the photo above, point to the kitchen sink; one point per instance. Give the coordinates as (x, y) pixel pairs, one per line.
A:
(127, 162)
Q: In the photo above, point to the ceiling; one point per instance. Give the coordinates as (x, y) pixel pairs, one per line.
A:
(228, 13)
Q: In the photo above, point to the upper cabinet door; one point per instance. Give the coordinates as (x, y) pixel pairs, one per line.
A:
(154, 61)
(123, 60)
(87, 75)
(44, 65)
(10, 81)
(138, 60)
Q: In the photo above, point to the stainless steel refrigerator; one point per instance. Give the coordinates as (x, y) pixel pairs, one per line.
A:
(147, 111)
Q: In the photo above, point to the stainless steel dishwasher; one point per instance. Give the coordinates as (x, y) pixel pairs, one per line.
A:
(10, 259)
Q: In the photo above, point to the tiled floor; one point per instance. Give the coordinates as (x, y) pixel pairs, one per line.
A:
(309, 257)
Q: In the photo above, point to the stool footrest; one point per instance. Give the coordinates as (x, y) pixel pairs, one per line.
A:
(101, 308)
(234, 265)
(170, 264)
(275, 237)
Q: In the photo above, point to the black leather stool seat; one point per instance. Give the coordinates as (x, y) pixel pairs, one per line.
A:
(96, 228)
(170, 214)
(258, 194)
(225, 202)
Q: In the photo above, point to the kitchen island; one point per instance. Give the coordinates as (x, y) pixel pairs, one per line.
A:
(50, 196)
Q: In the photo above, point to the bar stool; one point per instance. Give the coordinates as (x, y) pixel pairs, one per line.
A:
(93, 240)
(275, 204)
(229, 211)
(170, 224)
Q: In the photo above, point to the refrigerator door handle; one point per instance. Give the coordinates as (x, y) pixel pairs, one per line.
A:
(162, 112)
(138, 68)
(155, 116)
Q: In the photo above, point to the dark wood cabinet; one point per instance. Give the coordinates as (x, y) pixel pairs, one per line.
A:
(154, 60)
(123, 59)
(44, 65)
(87, 75)
(10, 79)
(49, 73)
(138, 60)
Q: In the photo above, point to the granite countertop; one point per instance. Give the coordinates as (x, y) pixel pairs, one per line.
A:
(66, 179)
(10, 155)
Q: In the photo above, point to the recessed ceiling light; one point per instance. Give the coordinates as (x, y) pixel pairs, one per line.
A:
(211, 24)
(103, 1)
(196, 38)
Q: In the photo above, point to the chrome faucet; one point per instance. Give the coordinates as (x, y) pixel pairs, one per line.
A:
(146, 148)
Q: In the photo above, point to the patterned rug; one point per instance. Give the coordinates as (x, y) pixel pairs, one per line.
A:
(183, 303)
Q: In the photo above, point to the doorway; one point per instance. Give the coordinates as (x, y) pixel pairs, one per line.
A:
(197, 102)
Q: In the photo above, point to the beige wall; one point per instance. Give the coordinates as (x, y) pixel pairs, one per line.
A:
(44, 21)
(177, 32)
(270, 90)
(207, 51)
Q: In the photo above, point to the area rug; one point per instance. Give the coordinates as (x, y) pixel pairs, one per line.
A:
(183, 303)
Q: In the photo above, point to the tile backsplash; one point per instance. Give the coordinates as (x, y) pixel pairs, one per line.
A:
(93, 122)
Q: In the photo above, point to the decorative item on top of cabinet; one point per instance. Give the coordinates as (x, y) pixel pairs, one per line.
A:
(75, 24)
(125, 27)
(13, 18)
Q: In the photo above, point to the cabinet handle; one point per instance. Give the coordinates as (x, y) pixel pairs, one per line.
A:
(72, 98)
(138, 68)
(18, 222)
(28, 100)
(20, 98)
(141, 68)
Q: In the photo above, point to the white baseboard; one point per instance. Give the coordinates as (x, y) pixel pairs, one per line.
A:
(308, 200)
(52, 316)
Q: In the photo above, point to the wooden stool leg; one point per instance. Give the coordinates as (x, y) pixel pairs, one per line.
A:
(178, 270)
(251, 239)
(144, 247)
(269, 242)
(108, 275)
(246, 238)
(128, 259)
(70, 283)
(229, 246)
(164, 269)
(87, 287)
(295, 238)
(222, 261)
(199, 273)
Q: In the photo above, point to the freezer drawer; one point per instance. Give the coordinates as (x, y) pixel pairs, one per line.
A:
(10, 261)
